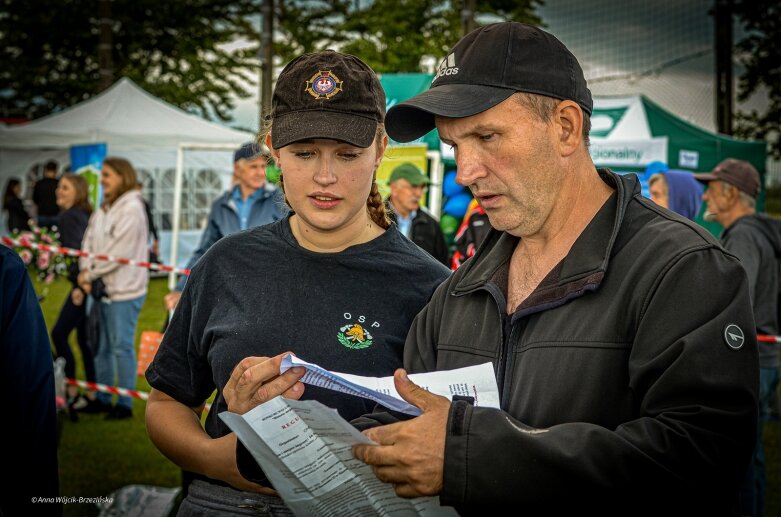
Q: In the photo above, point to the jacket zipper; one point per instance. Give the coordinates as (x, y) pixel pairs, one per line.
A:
(499, 298)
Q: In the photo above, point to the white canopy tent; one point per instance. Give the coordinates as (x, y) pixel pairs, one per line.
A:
(135, 125)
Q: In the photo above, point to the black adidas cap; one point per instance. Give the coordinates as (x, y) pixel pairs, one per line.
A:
(327, 95)
(484, 68)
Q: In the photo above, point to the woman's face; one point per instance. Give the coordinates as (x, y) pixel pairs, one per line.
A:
(328, 182)
(111, 182)
(66, 194)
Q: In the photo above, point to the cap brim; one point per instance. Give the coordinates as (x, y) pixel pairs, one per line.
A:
(705, 177)
(309, 125)
(414, 117)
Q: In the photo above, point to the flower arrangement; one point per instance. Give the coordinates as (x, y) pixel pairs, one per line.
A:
(43, 264)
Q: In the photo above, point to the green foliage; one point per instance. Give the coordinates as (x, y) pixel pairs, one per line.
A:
(390, 35)
(773, 200)
(760, 54)
(173, 49)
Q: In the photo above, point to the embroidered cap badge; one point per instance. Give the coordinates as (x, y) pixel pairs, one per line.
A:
(323, 85)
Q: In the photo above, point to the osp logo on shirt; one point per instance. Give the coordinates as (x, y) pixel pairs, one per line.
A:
(447, 67)
(355, 334)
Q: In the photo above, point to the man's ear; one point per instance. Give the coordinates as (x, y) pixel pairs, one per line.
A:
(568, 121)
(732, 192)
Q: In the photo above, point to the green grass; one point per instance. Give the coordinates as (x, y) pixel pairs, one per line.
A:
(97, 457)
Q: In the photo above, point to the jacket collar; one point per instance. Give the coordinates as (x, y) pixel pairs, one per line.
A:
(580, 271)
(266, 191)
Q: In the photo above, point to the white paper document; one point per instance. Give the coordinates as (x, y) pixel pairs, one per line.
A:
(478, 382)
(305, 450)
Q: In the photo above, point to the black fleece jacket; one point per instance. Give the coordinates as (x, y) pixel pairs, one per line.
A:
(628, 378)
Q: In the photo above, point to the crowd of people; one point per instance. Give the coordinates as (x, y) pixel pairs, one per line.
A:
(623, 335)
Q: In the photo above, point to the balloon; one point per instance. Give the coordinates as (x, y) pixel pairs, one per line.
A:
(654, 167)
(457, 205)
(272, 173)
(449, 186)
(449, 224)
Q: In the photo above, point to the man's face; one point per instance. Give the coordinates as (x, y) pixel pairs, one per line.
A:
(405, 196)
(659, 194)
(717, 201)
(507, 158)
(251, 174)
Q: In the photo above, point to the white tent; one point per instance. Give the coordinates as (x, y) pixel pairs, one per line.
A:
(149, 132)
(134, 124)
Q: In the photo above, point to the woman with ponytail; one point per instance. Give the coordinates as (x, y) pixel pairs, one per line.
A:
(334, 282)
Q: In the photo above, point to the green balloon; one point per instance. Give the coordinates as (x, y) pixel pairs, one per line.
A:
(272, 173)
(449, 224)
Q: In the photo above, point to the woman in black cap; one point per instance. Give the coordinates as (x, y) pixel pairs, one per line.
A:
(333, 282)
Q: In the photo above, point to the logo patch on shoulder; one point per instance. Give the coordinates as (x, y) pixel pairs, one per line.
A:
(734, 337)
(323, 85)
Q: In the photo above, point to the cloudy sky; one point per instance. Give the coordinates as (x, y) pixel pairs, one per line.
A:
(659, 48)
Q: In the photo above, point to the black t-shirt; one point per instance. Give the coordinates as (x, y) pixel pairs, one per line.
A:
(259, 293)
(45, 198)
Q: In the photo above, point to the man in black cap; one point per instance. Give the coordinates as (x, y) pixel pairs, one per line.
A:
(733, 187)
(622, 339)
(407, 187)
(251, 202)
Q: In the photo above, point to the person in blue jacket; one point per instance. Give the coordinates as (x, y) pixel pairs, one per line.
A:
(253, 201)
(27, 383)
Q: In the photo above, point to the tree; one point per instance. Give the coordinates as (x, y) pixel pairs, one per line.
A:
(173, 49)
(760, 54)
(389, 35)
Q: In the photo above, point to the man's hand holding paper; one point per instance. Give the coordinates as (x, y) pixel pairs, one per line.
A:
(410, 454)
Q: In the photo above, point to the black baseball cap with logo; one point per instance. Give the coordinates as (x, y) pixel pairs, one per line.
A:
(327, 95)
(486, 67)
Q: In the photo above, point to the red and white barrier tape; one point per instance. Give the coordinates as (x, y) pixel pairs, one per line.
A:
(109, 389)
(94, 386)
(768, 339)
(61, 250)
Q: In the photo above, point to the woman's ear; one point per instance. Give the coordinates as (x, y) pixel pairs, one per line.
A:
(274, 152)
(381, 150)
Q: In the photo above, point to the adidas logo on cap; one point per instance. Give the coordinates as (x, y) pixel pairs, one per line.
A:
(447, 66)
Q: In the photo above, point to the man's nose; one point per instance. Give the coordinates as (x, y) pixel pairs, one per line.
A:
(469, 167)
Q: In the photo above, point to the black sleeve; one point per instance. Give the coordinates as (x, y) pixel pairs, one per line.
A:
(181, 366)
(27, 380)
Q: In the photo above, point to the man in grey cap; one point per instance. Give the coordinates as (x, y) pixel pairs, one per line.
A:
(755, 239)
(407, 187)
(627, 374)
(252, 201)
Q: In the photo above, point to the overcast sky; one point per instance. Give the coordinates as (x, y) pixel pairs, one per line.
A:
(659, 48)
